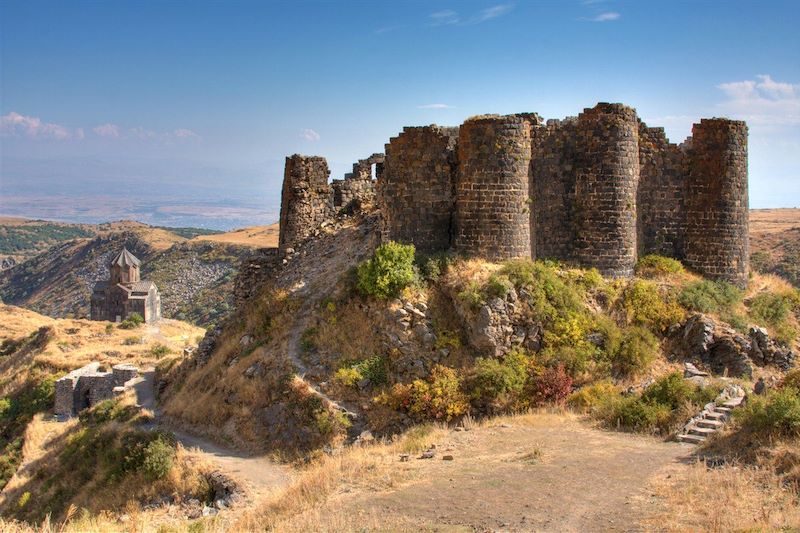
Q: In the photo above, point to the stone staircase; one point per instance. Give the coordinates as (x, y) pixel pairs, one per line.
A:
(713, 417)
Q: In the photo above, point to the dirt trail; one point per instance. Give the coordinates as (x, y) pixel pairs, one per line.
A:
(536, 473)
(259, 474)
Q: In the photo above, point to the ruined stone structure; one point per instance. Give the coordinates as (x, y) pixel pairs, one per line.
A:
(597, 190)
(124, 293)
(89, 385)
(416, 193)
(358, 187)
(306, 199)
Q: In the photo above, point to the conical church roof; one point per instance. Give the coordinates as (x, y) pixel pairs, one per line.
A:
(125, 258)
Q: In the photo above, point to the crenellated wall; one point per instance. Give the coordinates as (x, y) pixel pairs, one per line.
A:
(306, 199)
(597, 190)
(416, 190)
(492, 200)
(717, 201)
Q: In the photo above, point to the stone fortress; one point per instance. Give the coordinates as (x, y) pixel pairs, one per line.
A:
(124, 293)
(597, 190)
(89, 385)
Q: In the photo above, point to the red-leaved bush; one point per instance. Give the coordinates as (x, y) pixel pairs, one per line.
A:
(550, 385)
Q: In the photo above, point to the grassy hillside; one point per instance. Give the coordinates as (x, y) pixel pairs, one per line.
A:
(775, 242)
(194, 277)
(35, 350)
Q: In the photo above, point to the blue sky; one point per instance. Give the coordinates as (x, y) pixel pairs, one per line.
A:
(207, 98)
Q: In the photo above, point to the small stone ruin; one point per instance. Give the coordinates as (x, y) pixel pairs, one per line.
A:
(89, 385)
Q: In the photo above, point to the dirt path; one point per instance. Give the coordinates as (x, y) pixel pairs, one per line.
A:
(294, 349)
(259, 474)
(540, 473)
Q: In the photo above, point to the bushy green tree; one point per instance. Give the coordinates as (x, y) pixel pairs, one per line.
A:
(390, 270)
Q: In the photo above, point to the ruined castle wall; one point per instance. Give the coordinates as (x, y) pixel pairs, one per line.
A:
(661, 201)
(606, 180)
(306, 199)
(584, 179)
(415, 189)
(492, 202)
(358, 188)
(552, 189)
(717, 202)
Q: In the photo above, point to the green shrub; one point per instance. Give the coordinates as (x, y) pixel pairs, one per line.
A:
(159, 350)
(770, 308)
(131, 341)
(432, 266)
(708, 296)
(492, 378)
(472, 295)
(439, 397)
(150, 453)
(133, 321)
(637, 350)
(594, 397)
(389, 271)
(645, 305)
(662, 406)
(653, 266)
(777, 414)
(158, 457)
(109, 329)
(348, 376)
(373, 369)
(498, 286)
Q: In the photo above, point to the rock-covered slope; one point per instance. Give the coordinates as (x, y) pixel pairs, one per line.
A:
(195, 277)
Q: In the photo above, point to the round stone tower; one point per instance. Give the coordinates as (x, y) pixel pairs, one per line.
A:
(415, 188)
(717, 243)
(306, 199)
(492, 200)
(606, 181)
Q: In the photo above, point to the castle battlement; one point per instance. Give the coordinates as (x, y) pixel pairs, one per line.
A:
(597, 190)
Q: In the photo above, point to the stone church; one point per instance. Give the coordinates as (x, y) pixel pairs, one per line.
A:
(124, 293)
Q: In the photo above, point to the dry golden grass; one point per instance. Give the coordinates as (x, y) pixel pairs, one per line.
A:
(255, 236)
(730, 498)
(78, 342)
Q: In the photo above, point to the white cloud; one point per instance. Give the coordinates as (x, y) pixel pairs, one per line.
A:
(16, 125)
(183, 133)
(309, 135)
(107, 130)
(606, 17)
(762, 101)
(448, 16)
(435, 106)
(491, 13)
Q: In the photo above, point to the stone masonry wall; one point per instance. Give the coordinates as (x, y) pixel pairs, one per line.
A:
(492, 201)
(358, 187)
(606, 180)
(552, 189)
(717, 203)
(661, 200)
(306, 199)
(415, 192)
(597, 190)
